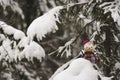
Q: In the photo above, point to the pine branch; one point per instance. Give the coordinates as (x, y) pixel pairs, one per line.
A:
(6, 51)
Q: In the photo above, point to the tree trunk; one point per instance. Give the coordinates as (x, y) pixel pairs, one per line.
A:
(107, 46)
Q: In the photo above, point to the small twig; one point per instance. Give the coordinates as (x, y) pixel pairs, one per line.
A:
(6, 51)
(75, 4)
(53, 52)
(72, 40)
(53, 61)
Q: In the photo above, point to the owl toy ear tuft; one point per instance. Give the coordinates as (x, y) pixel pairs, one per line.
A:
(85, 41)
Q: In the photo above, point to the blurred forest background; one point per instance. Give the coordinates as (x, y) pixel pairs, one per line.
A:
(97, 20)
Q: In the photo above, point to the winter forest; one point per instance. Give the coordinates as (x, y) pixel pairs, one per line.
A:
(42, 39)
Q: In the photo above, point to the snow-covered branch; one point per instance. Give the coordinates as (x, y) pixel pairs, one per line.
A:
(44, 24)
(13, 5)
(114, 8)
(15, 45)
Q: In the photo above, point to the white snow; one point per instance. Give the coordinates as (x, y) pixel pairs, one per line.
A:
(66, 49)
(83, 1)
(113, 8)
(6, 51)
(79, 69)
(8, 76)
(9, 30)
(117, 65)
(13, 5)
(93, 36)
(44, 24)
(23, 42)
(33, 50)
(2, 37)
(60, 69)
(85, 19)
(19, 35)
(12, 51)
(115, 38)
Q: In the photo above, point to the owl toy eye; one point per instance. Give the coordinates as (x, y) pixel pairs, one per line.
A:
(91, 47)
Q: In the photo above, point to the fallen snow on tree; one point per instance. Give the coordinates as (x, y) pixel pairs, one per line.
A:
(117, 65)
(83, 1)
(80, 69)
(13, 5)
(8, 76)
(9, 30)
(33, 50)
(114, 8)
(44, 24)
(16, 46)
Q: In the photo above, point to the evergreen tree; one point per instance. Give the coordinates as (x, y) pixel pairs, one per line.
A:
(60, 31)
